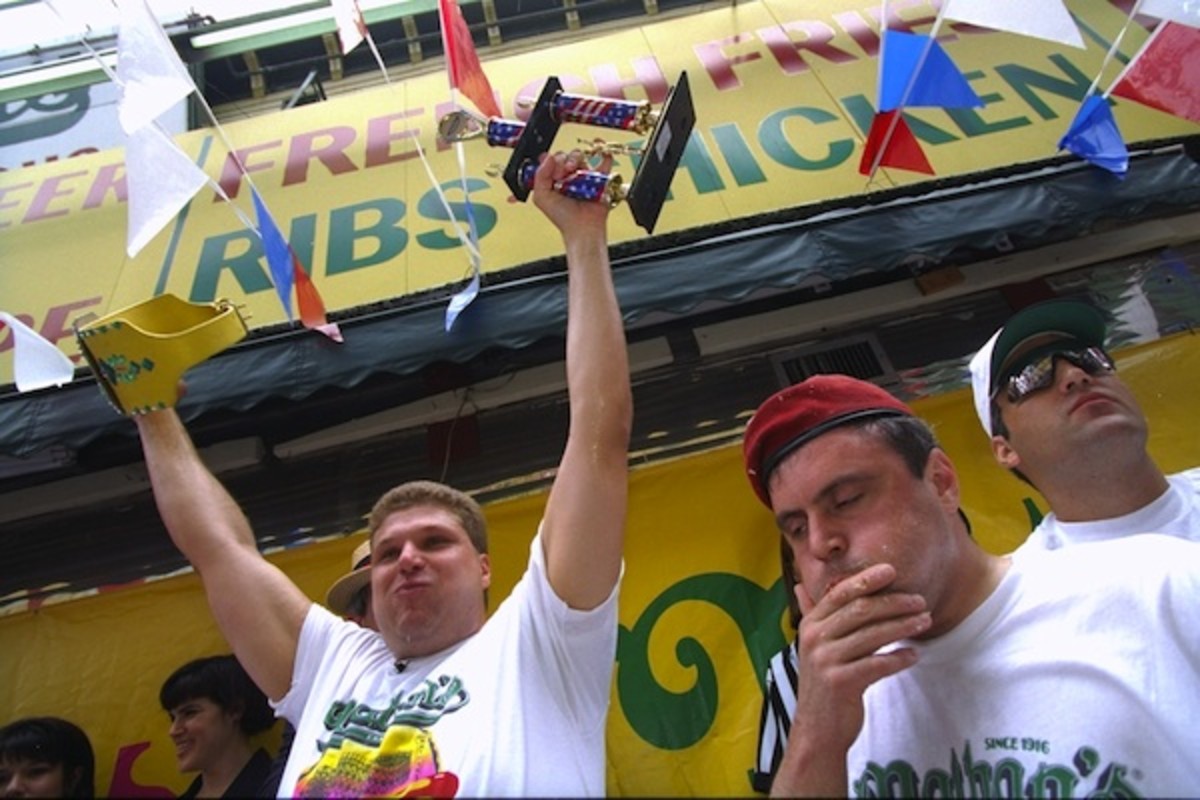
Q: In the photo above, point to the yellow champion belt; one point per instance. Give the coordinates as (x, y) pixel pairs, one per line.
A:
(139, 353)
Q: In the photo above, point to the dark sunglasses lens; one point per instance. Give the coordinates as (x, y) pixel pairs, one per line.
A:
(1093, 361)
(1030, 378)
(1039, 374)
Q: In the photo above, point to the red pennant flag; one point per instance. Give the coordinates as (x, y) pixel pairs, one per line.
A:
(891, 134)
(466, 74)
(1166, 74)
(310, 305)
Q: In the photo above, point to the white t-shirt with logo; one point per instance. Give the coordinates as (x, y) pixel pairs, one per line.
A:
(516, 710)
(1079, 676)
(1175, 513)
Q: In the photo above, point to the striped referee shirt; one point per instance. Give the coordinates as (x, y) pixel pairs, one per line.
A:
(778, 709)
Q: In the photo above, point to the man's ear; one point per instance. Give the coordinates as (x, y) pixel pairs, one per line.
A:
(939, 470)
(485, 565)
(1005, 455)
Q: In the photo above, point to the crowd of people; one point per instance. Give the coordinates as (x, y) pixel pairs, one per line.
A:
(921, 664)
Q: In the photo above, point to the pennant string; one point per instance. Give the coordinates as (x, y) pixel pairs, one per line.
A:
(461, 300)
(472, 231)
(112, 76)
(311, 299)
(1112, 50)
(93, 52)
(378, 58)
(468, 241)
(908, 86)
(883, 26)
(462, 236)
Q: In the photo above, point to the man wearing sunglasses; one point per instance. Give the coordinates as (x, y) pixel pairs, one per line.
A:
(1062, 420)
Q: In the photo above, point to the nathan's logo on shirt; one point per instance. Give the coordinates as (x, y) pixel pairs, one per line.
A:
(1004, 776)
(420, 708)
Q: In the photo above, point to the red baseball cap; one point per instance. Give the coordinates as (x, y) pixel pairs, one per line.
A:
(799, 413)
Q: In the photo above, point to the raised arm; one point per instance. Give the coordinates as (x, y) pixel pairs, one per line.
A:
(584, 527)
(258, 609)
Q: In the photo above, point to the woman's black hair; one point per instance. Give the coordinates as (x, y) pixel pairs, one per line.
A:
(53, 740)
(222, 680)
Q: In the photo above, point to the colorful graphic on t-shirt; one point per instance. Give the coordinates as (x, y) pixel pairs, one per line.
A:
(403, 765)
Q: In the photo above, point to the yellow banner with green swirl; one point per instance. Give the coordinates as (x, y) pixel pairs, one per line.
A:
(702, 608)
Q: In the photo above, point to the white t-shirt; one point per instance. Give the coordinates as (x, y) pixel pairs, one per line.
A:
(518, 709)
(1079, 676)
(1175, 513)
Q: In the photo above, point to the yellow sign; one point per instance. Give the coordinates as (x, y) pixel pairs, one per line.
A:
(783, 93)
(701, 607)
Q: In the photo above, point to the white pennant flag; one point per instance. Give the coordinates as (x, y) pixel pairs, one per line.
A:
(36, 362)
(151, 77)
(160, 180)
(1185, 12)
(1042, 19)
(350, 23)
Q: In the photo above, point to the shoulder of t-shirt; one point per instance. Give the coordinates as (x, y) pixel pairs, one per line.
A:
(1120, 558)
(1191, 476)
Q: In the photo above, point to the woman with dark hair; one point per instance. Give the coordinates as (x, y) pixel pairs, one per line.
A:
(46, 757)
(215, 708)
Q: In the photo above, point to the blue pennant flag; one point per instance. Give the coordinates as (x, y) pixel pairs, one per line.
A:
(459, 302)
(1093, 136)
(938, 84)
(279, 254)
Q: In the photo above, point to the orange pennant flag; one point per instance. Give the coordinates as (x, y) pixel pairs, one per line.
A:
(310, 305)
(466, 73)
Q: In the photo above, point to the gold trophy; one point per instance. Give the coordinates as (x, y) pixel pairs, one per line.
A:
(668, 129)
(139, 353)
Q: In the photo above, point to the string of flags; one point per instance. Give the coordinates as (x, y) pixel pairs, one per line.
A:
(914, 72)
(466, 75)
(464, 70)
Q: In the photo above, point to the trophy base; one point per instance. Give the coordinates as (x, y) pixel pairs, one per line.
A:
(536, 139)
(661, 156)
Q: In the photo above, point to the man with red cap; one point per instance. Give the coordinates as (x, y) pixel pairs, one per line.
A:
(928, 666)
(1058, 415)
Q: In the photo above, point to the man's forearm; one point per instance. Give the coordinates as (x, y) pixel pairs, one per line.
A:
(597, 359)
(199, 514)
(810, 768)
(210, 529)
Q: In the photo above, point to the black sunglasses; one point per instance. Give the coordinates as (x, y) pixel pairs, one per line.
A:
(1039, 373)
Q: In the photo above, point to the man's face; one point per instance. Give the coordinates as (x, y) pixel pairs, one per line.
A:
(427, 581)
(1068, 419)
(846, 501)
